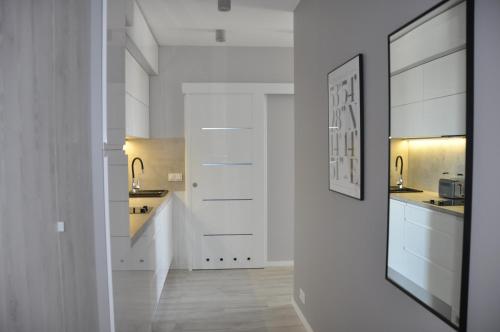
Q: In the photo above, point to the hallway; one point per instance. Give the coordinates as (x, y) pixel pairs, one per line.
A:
(228, 300)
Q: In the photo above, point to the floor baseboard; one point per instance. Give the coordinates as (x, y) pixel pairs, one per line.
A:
(279, 263)
(302, 318)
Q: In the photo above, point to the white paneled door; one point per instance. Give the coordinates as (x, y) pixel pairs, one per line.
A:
(226, 163)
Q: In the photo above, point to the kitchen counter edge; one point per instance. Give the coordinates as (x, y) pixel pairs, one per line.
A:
(140, 222)
(456, 211)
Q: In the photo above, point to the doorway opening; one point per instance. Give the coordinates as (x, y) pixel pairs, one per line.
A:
(200, 129)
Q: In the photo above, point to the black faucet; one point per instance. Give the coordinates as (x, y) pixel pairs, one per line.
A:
(136, 185)
(400, 181)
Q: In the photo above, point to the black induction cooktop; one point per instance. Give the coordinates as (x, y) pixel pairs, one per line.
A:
(446, 202)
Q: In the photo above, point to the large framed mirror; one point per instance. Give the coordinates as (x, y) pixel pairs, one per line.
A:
(430, 158)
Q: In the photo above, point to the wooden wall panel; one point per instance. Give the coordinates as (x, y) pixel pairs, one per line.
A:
(47, 279)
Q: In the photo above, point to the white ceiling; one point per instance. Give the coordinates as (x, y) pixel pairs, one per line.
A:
(193, 22)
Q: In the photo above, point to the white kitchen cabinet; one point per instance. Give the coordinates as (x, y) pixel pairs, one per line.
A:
(396, 254)
(435, 37)
(430, 100)
(137, 118)
(443, 116)
(407, 87)
(152, 251)
(164, 246)
(425, 246)
(407, 120)
(137, 80)
(445, 76)
(136, 99)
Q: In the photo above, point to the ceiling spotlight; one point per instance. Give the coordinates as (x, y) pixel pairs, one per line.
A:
(224, 5)
(220, 35)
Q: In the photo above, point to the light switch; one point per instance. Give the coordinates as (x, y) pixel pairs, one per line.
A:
(60, 226)
(174, 177)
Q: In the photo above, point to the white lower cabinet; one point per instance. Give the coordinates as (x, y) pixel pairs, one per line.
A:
(163, 246)
(425, 246)
(152, 251)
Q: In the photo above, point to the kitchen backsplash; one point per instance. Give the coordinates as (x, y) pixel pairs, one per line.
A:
(425, 160)
(160, 157)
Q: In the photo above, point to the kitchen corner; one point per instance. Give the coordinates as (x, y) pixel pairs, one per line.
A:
(145, 249)
(163, 163)
(140, 222)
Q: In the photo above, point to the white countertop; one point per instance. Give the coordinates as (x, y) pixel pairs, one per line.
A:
(139, 222)
(419, 198)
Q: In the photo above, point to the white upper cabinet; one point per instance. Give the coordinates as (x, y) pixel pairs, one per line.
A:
(439, 35)
(136, 99)
(430, 100)
(428, 76)
(407, 87)
(445, 76)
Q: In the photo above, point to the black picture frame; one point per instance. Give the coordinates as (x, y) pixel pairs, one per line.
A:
(359, 58)
(469, 134)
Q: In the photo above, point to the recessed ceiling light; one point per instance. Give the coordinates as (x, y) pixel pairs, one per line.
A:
(224, 5)
(220, 35)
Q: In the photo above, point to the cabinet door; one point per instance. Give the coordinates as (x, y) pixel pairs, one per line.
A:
(445, 76)
(136, 99)
(433, 244)
(396, 254)
(136, 79)
(443, 116)
(163, 246)
(430, 100)
(407, 120)
(407, 87)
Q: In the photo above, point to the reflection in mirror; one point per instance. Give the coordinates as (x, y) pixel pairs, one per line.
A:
(428, 138)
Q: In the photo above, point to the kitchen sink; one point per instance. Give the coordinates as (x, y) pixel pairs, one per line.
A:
(396, 189)
(148, 193)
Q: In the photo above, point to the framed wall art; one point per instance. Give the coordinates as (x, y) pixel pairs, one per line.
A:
(345, 128)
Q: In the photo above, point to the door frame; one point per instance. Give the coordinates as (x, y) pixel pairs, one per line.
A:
(100, 190)
(259, 90)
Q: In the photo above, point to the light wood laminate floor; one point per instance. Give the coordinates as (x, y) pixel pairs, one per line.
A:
(228, 300)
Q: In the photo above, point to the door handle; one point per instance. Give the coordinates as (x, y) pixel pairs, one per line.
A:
(195, 184)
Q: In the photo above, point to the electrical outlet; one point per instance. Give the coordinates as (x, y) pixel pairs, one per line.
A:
(175, 177)
(302, 296)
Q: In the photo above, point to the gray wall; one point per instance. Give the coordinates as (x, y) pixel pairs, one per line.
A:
(47, 279)
(340, 243)
(484, 289)
(280, 177)
(181, 64)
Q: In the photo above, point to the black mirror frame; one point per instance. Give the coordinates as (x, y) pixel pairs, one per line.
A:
(469, 131)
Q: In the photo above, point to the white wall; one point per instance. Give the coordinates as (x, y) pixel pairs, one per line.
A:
(281, 177)
(181, 64)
